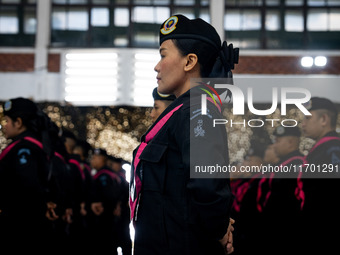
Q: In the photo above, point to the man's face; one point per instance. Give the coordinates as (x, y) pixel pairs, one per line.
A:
(282, 145)
(270, 155)
(312, 125)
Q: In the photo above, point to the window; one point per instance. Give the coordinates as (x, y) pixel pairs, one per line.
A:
(322, 20)
(283, 24)
(272, 2)
(117, 23)
(242, 20)
(153, 15)
(100, 17)
(334, 18)
(294, 21)
(30, 22)
(244, 2)
(121, 17)
(294, 2)
(317, 20)
(75, 19)
(273, 20)
(9, 24)
(17, 22)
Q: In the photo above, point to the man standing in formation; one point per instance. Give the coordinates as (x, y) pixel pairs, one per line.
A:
(321, 187)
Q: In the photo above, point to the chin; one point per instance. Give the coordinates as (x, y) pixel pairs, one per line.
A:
(164, 90)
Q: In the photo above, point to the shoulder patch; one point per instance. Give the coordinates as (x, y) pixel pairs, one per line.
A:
(198, 130)
(335, 159)
(103, 179)
(22, 154)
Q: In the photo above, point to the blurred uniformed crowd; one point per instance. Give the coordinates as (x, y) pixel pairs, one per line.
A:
(297, 211)
(58, 195)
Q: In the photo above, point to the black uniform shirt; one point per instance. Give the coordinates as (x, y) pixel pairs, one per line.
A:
(321, 210)
(23, 178)
(178, 214)
(106, 189)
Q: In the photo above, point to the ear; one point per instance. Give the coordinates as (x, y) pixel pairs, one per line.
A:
(324, 119)
(191, 63)
(18, 123)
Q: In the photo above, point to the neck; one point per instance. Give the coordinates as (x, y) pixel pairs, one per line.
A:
(323, 133)
(293, 149)
(186, 86)
(182, 89)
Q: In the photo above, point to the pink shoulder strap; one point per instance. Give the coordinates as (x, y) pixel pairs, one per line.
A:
(75, 162)
(324, 140)
(9, 147)
(108, 172)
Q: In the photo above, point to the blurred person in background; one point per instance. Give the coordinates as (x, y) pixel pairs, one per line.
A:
(81, 153)
(123, 215)
(280, 206)
(161, 102)
(320, 212)
(78, 174)
(24, 179)
(248, 229)
(270, 157)
(105, 204)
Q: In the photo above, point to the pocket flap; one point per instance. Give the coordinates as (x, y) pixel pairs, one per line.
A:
(153, 152)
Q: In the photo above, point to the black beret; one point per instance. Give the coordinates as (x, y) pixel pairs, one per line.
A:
(99, 151)
(180, 27)
(115, 159)
(317, 103)
(20, 106)
(287, 131)
(158, 96)
(68, 134)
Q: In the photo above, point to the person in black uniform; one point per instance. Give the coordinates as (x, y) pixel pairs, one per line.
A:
(281, 208)
(286, 146)
(248, 224)
(81, 185)
(106, 194)
(23, 180)
(171, 212)
(270, 157)
(321, 188)
(161, 102)
(123, 210)
(81, 150)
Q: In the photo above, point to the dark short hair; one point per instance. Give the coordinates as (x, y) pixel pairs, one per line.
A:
(205, 52)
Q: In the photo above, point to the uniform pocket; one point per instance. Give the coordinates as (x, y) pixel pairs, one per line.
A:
(153, 152)
(154, 167)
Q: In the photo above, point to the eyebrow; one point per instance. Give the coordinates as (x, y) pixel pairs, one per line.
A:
(161, 49)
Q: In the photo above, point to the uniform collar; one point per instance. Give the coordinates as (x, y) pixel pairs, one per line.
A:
(23, 134)
(332, 133)
(290, 155)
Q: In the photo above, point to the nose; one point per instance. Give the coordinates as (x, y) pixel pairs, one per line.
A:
(156, 68)
(152, 114)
